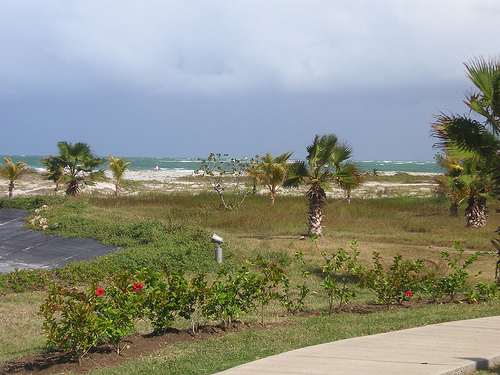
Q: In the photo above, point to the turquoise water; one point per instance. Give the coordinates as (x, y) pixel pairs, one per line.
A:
(191, 164)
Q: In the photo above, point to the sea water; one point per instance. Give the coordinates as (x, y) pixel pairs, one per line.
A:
(192, 164)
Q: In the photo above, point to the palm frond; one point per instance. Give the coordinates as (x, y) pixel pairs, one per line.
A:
(465, 134)
(297, 173)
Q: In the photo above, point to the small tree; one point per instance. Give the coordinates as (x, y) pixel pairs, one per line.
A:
(351, 183)
(118, 167)
(273, 172)
(12, 172)
(253, 171)
(225, 177)
(327, 160)
(54, 171)
(78, 163)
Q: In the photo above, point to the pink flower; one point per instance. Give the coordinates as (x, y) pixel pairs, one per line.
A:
(409, 293)
(137, 287)
(99, 292)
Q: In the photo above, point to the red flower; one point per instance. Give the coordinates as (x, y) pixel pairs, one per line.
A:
(409, 293)
(99, 292)
(137, 287)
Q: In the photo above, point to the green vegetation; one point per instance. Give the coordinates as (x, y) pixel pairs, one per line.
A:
(327, 159)
(475, 145)
(75, 164)
(12, 172)
(118, 168)
(156, 230)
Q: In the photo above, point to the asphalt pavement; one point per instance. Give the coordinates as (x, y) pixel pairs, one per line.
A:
(24, 249)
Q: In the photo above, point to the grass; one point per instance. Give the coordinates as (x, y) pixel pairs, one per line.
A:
(177, 228)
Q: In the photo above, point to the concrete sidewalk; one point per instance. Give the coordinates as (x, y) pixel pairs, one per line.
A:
(449, 348)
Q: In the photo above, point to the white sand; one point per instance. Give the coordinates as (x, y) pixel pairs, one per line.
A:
(160, 175)
(137, 182)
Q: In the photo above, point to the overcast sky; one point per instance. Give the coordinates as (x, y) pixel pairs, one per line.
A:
(185, 78)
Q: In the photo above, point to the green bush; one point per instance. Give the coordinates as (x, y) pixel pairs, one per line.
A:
(395, 284)
(31, 203)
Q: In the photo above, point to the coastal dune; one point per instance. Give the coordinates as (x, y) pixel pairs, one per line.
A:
(385, 184)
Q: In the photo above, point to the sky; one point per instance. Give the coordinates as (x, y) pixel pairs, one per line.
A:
(186, 78)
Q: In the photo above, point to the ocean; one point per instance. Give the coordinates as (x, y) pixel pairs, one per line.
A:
(191, 164)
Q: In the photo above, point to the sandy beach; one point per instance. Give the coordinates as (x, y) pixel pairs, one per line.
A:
(386, 184)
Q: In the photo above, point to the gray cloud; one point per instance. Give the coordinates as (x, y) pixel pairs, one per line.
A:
(238, 46)
(385, 65)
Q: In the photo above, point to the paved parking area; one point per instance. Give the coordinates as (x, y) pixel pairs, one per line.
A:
(24, 249)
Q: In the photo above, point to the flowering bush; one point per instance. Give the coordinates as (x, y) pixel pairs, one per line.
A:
(70, 320)
(117, 308)
(394, 284)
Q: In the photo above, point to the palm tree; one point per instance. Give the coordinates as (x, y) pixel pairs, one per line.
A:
(78, 163)
(452, 184)
(273, 172)
(12, 172)
(326, 160)
(54, 171)
(253, 171)
(480, 139)
(349, 184)
(118, 167)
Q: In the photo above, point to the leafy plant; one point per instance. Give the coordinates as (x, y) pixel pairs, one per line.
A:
(225, 177)
(70, 320)
(455, 279)
(482, 292)
(118, 307)
(295, 299)
(338, 270)
(269, 283)
(228, 299)
(393, 285)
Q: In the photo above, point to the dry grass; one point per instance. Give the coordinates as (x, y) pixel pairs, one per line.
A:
(20, 332)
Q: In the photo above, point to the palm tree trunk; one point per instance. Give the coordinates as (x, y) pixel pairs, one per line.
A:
(73, 188)
(454, 209)
(272, 195)
(316, 196)
(476, 212)
(11, 188)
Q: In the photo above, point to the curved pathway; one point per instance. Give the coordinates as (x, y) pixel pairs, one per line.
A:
(24, 249)
(441, 349)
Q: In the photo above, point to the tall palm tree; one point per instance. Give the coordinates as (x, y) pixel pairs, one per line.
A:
(54, 171)
(480, 139)
(78, 163)
(118, 167)
(12, 172)
(327, 159)
(273, 172)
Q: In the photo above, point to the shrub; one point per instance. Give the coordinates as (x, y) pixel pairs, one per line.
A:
(339, 268)
(454, 281)
(394, 285)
